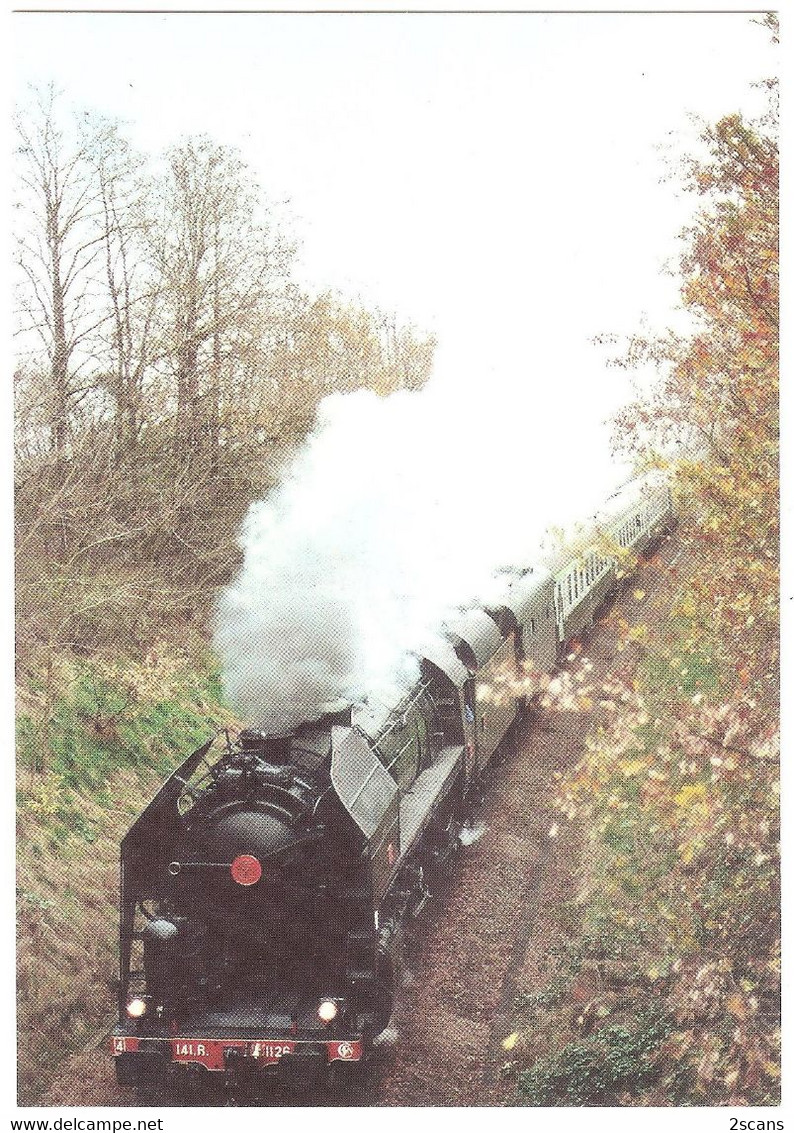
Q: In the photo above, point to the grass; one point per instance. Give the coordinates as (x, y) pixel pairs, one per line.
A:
(89, 758)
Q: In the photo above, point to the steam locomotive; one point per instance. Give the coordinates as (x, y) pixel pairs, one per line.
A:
(262, 888)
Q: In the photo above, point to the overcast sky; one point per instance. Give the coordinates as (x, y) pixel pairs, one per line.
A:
(496, 178)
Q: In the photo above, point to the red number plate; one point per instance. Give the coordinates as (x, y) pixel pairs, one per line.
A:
(124, 1044)
(210, 1052)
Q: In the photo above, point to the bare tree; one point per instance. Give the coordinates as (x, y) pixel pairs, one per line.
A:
(219, 261)
(58, 249)
(168, 363)
(407, 354)
(126, 348)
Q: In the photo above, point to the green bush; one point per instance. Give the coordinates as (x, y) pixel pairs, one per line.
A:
(594, 1070)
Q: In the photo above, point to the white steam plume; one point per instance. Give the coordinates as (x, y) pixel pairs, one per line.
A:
(398, 509)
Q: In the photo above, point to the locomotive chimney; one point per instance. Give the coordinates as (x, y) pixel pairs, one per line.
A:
(343, 716)
(273, 749)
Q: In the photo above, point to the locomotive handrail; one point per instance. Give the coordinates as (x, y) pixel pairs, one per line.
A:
(397, 713)
(302, 840)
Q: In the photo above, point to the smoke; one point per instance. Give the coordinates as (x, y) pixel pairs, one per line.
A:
(397, 510)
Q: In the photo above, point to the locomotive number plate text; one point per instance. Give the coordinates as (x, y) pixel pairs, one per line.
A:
(211, 1053)
(206, 1053)
(270, 1052)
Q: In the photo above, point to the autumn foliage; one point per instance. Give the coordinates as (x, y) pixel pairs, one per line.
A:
(715, 405)
(670, 981)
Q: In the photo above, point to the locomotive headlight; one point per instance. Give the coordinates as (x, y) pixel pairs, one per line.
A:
(136, 1008)
(328, 1010)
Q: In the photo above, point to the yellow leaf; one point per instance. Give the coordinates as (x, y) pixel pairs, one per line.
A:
(510, 1041)
(691, 793)
(633, 767)
(639, 595)
(737, 1006)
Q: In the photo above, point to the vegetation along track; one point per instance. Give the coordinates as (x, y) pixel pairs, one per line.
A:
(486, 933)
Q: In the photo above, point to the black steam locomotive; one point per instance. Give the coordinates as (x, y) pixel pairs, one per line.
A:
(262, 888)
